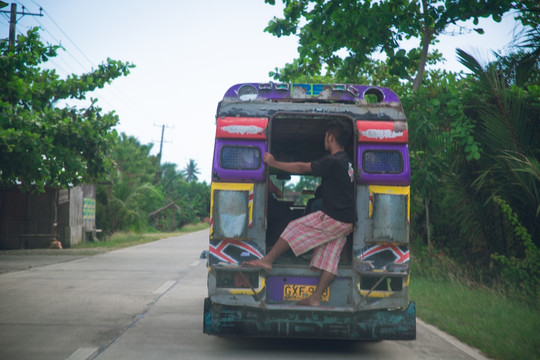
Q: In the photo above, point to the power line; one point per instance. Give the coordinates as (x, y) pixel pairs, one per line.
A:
(66, 35)
(13, 20)
(132, 108)
(112, 90)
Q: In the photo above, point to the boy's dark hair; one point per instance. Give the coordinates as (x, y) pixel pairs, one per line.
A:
(340, 130)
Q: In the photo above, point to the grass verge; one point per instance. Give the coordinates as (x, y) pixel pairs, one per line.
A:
(500, 327)
(126, 239)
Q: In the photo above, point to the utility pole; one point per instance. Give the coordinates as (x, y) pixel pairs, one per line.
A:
(13, 19)
(161, 142)
(158, 171)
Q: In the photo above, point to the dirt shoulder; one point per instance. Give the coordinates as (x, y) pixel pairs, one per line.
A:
(20, 260)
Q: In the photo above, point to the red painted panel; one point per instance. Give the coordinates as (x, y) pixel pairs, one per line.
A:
(241, 128)
(382, 132)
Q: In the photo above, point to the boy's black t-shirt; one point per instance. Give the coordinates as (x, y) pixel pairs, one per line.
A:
(337, 185)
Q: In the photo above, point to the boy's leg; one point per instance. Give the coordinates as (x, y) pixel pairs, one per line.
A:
(294, 230)
(325, 280)
(325, 258)
(266, 262)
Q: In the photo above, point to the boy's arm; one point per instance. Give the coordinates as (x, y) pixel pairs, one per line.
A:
(290, 167)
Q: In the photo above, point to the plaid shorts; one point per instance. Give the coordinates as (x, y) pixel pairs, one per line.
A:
(320, 232)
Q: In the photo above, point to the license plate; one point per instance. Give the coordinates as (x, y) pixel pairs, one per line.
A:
(294, 292)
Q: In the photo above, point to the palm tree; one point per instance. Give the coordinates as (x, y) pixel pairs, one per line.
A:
(190, 172)
(508, 129)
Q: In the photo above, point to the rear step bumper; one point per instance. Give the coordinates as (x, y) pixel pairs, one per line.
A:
(226, 320)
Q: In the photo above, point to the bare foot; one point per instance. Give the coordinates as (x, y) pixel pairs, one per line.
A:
(258, 264)
(309, 302)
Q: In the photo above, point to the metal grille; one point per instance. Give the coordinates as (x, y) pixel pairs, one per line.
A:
(382, 162)
(240, 157)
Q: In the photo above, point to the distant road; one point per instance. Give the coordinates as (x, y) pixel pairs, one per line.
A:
(146, 302)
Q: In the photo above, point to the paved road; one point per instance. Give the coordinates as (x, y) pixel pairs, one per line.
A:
(146, 302)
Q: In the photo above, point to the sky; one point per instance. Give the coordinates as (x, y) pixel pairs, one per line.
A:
(187, 54)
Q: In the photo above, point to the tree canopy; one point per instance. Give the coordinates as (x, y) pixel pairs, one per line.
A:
(364, 28)
(41, 143)
(473, 136)
(139, 185)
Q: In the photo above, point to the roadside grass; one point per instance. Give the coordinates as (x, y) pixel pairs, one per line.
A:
(500, 327)
(120, 240)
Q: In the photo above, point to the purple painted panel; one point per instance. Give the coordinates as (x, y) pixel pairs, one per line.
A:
(255, 164)
(377, 164)
(335, 92)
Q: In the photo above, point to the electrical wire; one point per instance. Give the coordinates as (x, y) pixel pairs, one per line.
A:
(112, 90)
(131, 108)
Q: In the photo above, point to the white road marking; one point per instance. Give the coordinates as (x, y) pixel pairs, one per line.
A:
(195, 263)
(163, 288)
(82, 353)
(472, 352)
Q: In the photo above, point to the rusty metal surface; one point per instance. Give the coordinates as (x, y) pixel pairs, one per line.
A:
(305, 323)
(267, 109)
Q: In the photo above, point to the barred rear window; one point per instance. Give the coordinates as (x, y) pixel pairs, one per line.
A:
(240, 157)
(382, 162)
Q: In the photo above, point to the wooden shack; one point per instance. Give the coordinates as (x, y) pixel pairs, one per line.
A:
(29, 221)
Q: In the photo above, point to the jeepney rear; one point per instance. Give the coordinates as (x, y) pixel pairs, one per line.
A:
(369, 298)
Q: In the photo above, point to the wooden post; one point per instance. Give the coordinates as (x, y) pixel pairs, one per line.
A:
(173, 214)
(427, 224)
(12, 24)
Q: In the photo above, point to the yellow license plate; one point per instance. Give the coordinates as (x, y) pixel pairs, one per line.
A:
(293, 292)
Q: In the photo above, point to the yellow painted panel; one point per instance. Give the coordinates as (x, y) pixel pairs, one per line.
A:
(232, 187)
(375, 294)
(383, 189)
(262, 284)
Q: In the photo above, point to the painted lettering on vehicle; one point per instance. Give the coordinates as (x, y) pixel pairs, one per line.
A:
(381, 134)
(242, 130)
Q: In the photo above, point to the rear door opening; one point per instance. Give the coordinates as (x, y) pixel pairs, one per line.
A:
(298, 138)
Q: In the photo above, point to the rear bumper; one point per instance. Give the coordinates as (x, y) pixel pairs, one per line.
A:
(228, 320)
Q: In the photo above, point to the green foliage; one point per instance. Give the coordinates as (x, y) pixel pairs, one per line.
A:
(327, 29)
(434, 264)
(508, 128)
(42, 144)
(142, 201)
(473, 141)
(190, 171)
(192, 197)
(471, 137)
(124, 201)
(139, 186)
(133, 166)
(523, 272)
(484, 318)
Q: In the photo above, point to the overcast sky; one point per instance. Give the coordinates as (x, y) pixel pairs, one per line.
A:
(187, 54)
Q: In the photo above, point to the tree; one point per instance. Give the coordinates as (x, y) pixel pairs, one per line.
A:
(190, 171)
(133, 165)
(192, 197)
(441, 129)
(508, 127)
(364, 28)
(42, 144)
(130, 193)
